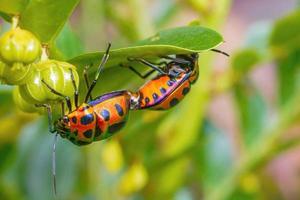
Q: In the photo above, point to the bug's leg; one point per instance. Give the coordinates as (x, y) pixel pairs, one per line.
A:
(103, 61)
(50, 118)
(59, 94)
(221, 52)
(149, 64)
(54, 165)
(86, 80)
(178, 60)
(62, 108)
(141, 75)
(75, 88)
(161, 64)
(52, 130)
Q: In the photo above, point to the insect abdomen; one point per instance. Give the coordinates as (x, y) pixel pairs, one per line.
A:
(111, 115)
(174, 98)
(156, 93)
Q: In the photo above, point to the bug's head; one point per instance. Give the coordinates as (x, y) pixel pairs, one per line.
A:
(63, 126)
(187, 65)
(77, 126)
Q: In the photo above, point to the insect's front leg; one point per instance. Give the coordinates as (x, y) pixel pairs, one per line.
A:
(50, 116)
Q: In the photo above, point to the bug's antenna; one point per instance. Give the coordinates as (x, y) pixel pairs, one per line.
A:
(221, 52)
(54, 165)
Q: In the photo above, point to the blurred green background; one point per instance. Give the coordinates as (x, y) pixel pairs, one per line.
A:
(235, 136)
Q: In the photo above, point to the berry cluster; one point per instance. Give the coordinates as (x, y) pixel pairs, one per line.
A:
(25, 64)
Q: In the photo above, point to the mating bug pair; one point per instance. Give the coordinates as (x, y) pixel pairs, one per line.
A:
(99, 118)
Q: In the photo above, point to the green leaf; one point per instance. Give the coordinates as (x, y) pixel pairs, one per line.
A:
(13, 7)
(45, 18)
(243, 61)
(286, 34)
(68, 43)
(288, 73)
(251, 106)
(182, 40)
(165, 188)
(214, 157)
(5, 16)
(285, 43)
(252, 112)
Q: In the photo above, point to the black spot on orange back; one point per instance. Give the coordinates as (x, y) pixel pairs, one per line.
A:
(185, 90)
(88, 133)
(74, 120)
(87, 119)
(115, 127)
(155, 96)
(105, 114)
(163, 90)
(98, 132)
(119, 109)
(170, 83)
(147, 100)
(174, 102)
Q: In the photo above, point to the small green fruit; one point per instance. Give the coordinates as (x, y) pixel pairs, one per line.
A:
(57, 75)
(19, 46)
(16, 75)
(23, 104)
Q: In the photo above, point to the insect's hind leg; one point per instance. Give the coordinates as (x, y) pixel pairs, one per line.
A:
(184, 61)
(149, 64)
(141, 75)
(160, 65)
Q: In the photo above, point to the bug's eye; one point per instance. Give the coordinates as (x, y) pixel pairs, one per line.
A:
(65, 119)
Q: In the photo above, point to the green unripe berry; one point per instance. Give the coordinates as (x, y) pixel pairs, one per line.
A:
(17, 75)
(23, 104)
(57, 75)
(19, 46)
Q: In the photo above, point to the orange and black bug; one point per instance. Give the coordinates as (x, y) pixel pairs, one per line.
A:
(93, 120)
(172, 83)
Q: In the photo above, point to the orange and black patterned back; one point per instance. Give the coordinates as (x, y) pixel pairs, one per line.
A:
(164, 92)
(111, 112)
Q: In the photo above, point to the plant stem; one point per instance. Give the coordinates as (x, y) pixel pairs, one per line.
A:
(14, 22)
(44, 55)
